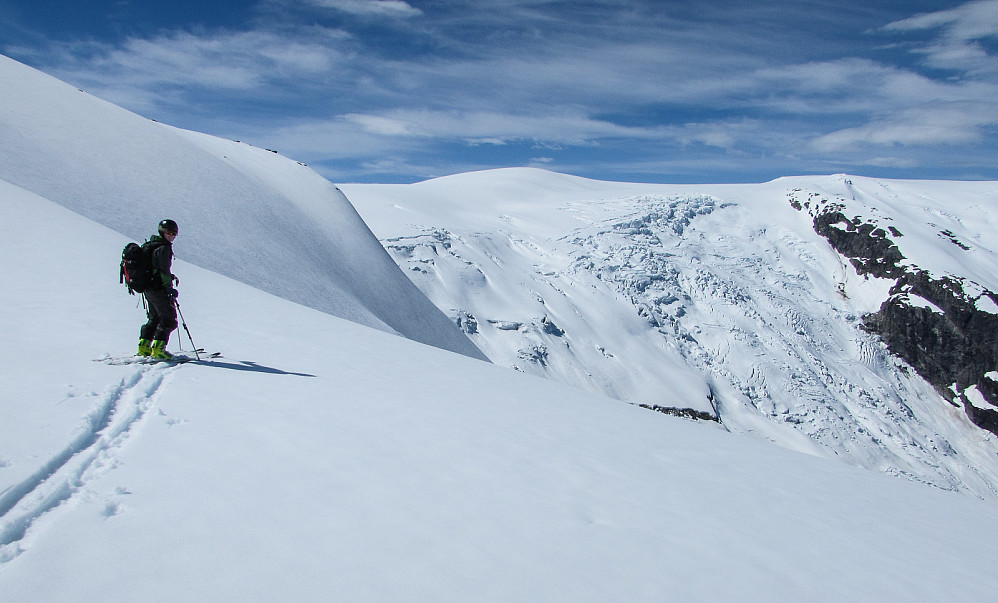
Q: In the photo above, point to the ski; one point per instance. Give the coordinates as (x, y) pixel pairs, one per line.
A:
(117, 360)
(177, 358)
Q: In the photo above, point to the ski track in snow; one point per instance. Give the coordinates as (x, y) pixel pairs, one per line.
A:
(65, 474)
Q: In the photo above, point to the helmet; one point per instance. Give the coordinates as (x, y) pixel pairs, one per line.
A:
(168, 226)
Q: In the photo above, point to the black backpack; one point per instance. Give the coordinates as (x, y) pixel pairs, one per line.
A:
(137, 272)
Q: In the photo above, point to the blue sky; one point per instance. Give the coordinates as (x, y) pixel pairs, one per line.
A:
(653, 91)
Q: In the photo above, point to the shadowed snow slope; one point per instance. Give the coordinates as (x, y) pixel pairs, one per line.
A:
(292, 469)
(244, 212)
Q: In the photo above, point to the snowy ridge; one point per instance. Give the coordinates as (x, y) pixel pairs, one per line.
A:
(722, 299)
(244, 212)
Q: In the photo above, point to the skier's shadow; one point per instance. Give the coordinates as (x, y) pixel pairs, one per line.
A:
(246, 365)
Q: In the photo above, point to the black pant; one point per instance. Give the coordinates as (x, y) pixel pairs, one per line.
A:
(162, 316)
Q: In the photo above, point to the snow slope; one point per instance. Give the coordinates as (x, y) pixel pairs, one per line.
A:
(718, 298)
(324, 460)
(244, 212)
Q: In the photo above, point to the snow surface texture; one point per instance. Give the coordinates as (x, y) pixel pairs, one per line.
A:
(293, 469)
(243, 212)
(719, 298)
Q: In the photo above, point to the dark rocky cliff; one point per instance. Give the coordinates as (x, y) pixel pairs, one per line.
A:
(952, 345)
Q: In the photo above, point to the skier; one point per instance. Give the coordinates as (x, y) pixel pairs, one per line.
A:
(160, 305)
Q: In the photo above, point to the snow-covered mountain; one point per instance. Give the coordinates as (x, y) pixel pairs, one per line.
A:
(748, 303)
(328, 459)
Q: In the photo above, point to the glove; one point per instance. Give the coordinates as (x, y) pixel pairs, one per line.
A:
(174, 293)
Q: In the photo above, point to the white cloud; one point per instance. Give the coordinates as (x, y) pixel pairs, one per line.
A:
(892, 162)
(907, 109)
(392, 8)
(497, 127)
(180, 77)
(961, 29)
(924, 125)
(970, 21)
(224, 60)
(383, 126)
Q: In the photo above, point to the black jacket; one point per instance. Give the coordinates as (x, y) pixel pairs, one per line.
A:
(161, 252)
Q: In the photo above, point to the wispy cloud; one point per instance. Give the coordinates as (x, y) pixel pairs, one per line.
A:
(483, 127)
(912, 109)
(380, 85)
(961, 30)
(893, 106)
(970, 21)
(392, 8)
(218, 60)
(949, 124)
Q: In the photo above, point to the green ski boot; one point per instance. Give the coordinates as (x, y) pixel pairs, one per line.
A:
(145, 347)
(159, 350)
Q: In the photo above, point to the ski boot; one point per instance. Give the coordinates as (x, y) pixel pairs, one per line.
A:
(145, 347)
(158, 350)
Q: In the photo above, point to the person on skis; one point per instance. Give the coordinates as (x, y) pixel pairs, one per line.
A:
(160, 297)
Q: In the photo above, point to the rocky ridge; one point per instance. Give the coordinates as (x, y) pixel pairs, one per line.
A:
(935, 323)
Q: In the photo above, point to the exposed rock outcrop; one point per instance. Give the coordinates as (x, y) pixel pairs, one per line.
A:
(934, 324)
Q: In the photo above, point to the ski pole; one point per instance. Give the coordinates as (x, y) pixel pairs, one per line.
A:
(184, 322)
